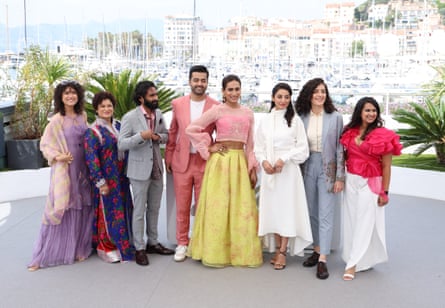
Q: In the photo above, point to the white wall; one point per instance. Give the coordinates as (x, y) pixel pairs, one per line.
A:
(24, 184)
(418, 183)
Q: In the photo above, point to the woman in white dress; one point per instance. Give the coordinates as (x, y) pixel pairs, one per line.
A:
(280, 147)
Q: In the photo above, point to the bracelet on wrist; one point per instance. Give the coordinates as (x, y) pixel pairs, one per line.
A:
(100, 183)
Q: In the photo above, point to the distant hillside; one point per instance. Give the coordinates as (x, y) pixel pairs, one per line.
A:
(53, 35)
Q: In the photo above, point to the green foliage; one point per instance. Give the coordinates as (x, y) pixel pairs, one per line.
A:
(424, 162)
(426, 127)
(361, 14)
(357, 48)
(390, 18)
(36, 84)
(122, 86)
(436, 87)
(441, 9)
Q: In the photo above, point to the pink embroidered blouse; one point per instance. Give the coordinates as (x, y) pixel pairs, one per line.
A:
(232, 124)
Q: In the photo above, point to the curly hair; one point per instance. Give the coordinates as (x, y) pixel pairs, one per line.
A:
(99, 97)
(58, 92)
(303, 103)
(290, 113)
(356, 118)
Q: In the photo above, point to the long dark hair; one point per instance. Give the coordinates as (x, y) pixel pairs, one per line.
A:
(303, 103)
(290, 113)
(356, 118)
(58, 92)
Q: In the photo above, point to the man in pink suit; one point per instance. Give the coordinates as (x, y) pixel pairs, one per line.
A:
(181, 158)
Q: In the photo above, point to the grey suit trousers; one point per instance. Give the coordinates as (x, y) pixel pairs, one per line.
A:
(147, 197)
(321, 203)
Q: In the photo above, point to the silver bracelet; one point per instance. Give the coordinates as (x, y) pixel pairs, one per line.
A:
(100, 183)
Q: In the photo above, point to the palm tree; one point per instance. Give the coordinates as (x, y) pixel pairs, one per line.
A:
(35, 90)
(436, 87)
(36, 84)
(426, 126)
(122, 86)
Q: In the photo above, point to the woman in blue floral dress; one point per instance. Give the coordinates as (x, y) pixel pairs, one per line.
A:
(112, 199)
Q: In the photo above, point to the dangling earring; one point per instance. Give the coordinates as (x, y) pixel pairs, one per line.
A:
(224, 99)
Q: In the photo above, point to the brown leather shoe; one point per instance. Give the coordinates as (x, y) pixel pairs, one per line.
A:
(159, 249)
(141, 257)
(322, 270)
(312, 260)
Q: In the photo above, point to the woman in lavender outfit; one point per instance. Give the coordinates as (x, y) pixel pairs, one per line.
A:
(65, 235)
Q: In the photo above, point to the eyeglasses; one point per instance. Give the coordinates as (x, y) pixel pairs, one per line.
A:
(69, 83)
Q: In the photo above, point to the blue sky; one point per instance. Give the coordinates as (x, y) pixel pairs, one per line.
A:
(214, 13)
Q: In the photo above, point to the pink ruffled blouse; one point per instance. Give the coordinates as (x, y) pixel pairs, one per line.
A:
(232, 124)
(365, 159)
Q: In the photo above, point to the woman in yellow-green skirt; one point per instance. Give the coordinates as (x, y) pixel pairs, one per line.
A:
(226, 223)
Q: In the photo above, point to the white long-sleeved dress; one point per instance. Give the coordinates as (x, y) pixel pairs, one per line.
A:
(282, 204)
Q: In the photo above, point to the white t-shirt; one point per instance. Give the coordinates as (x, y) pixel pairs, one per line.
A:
(196, 108)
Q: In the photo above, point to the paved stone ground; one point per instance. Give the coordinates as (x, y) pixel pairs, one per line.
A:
(413, 277)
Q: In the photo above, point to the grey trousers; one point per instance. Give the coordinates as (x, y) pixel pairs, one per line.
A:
(147, 197)
(321, 203)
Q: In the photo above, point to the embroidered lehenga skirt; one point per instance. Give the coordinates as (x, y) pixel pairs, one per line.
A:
(226, 222)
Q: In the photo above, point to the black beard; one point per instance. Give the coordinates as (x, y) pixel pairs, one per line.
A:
(151, 105)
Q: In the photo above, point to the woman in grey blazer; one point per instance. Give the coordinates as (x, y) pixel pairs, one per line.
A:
(324, 171)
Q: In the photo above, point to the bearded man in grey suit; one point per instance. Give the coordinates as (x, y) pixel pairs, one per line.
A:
(143, 129)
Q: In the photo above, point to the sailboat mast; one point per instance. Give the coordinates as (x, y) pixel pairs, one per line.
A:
(26, 31)
(7, 29)
(194, 33)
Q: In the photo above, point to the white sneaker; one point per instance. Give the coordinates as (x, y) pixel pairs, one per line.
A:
(180, 253)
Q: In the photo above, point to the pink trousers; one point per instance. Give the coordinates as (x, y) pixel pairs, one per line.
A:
(185, 183)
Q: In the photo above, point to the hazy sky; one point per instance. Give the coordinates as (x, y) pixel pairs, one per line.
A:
(213, 13)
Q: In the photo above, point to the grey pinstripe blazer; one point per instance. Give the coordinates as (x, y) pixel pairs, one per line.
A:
(332, 151)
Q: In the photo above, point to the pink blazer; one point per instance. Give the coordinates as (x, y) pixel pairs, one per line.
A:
(177, 151)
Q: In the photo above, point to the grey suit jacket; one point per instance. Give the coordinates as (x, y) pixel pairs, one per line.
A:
(332, 151)
(140, 151)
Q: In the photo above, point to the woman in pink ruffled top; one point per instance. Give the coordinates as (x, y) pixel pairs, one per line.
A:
(369, 149)
(226, 222)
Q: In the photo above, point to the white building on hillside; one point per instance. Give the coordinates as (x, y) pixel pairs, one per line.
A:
(378, 12)
(340, 13)
(181, 37)
(281, 44)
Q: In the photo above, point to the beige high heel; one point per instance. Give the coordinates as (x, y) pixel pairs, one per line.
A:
(33, 268)
(274, 258)
(280, 262)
